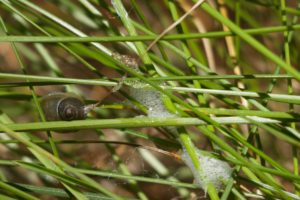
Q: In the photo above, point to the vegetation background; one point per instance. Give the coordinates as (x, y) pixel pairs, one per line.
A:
(226, 61)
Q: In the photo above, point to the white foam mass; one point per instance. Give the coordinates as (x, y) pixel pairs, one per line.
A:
(151, 99)
(213, 171)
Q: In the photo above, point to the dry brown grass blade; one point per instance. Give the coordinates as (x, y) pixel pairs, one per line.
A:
(198, 21)
(230, 44)
(233, 56)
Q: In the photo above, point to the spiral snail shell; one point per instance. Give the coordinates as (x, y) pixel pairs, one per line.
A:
(63, 106)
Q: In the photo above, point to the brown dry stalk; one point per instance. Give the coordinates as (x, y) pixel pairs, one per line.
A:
(231, 50)
(232, 53)
(198, 21)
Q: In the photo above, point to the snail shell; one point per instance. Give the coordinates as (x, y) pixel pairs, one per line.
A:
(63, 106)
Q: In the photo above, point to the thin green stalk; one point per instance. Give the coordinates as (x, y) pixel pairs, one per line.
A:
(68, 49)
(31, 6)
(57, 192)
(187, 47)
(289, 82)
(191, 108)
(141, 15)
(251, 41)
(237, 112)
(292, 11)
(16, 191)
(129, 123)
(295, 99)
(103, 82)
(59, 162)
(183, 136)
(231, 151)
(122, 13)
(285, 174)
(33, 93)
(190, 148)
(170, 37)
(123, 168)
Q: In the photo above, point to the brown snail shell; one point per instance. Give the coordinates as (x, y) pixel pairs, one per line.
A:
(63, 106)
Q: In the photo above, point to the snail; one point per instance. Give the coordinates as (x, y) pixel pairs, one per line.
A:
(65, 106)
(69, 106)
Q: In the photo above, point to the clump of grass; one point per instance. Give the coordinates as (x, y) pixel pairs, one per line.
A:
(222, 80)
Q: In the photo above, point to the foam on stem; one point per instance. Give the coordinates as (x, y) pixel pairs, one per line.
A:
(150, 98)
(213, 170)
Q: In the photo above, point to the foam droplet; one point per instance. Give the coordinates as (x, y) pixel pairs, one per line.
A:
(150, 98)
(213, 171)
